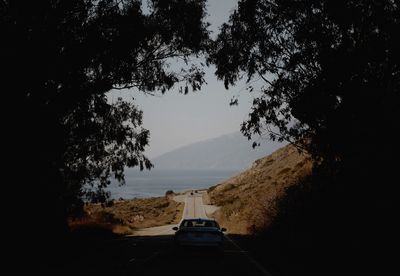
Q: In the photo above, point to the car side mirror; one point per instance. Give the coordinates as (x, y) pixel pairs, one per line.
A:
(175, 228)
(223, 229)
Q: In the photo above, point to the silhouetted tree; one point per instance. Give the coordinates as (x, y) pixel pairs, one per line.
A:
(60, 59)
(329, 73)
(71, 53)
(330, 68)
(329, 79)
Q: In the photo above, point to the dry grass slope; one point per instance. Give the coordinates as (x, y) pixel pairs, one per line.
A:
(127, 215)
(248, 200)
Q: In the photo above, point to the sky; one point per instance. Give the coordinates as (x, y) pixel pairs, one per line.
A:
(176, 120)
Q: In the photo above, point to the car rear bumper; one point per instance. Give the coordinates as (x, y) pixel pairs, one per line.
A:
(200, 244)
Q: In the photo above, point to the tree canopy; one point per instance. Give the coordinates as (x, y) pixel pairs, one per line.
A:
(330, 71)
(328, 80)
(62, 58)
(65, 136)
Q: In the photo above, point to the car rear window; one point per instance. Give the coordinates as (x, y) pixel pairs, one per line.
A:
(198, 223)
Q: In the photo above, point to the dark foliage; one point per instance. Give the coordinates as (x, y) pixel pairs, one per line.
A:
(330, 69)
(329, 75)
(59, 61)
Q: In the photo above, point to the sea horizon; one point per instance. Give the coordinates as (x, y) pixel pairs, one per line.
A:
(155, 183)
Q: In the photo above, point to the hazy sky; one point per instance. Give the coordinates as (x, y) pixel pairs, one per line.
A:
(175, 120)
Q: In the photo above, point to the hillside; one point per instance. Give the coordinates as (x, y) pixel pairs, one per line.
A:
(248, 199)
(227, 152)
(125, 216)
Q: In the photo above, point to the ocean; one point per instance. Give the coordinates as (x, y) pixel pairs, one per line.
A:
(142, 184)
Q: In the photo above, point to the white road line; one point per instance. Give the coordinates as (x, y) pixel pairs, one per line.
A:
(191, 209)
(185, 212)
(194, 206)
(254, 262)
(152, 256)
(185, 215)
(202, 207)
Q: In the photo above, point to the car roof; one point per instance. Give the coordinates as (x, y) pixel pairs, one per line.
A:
(197, 219)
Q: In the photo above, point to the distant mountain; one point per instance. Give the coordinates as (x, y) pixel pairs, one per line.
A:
(227, 152)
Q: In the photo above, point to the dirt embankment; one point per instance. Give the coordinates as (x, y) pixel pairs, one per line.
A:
(125, 216)
(248, 200)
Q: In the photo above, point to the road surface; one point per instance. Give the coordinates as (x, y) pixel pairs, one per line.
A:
(152, 252)
(164, 258)
(194, 208)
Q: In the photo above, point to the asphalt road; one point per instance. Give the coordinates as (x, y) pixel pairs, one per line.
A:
(194, 206)
(151, 252)
(165, 258)
(168, 260)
